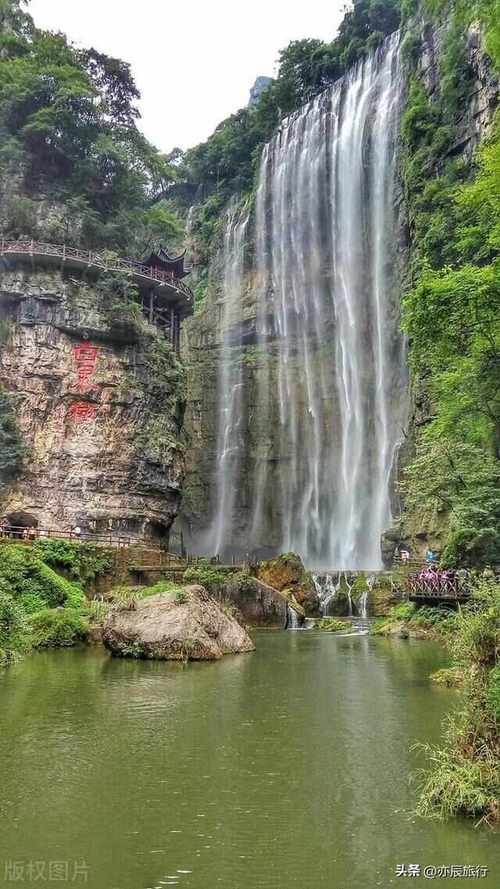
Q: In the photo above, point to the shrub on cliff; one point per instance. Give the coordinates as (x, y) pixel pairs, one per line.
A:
(452, 310)
(226, 163)
(11, 444)
(206, 575)
(32, 583)
(84, 562)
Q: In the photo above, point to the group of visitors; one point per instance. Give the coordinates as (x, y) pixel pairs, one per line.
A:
(440, 580)
(31, 532)
(403, 553)
(18, 532)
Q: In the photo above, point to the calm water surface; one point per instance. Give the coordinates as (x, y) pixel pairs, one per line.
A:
(283, 768)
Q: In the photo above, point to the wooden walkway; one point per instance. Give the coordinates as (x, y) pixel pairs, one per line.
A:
(441, 586)
(17, 534)
(417, 581)
(145, 277)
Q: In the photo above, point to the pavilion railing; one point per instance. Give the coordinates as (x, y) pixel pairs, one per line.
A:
(94, 259)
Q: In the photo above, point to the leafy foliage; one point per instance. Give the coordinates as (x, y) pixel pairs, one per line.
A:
(125, 598)
(11, 616)
(82, 561)
(439, 622)
(32, 583)
(333, 625)
(460, 479)
(452, 313)
(120, 305)
(207, 575)
(58, 627)
(464, 773)
(11, 444)
(70, 140)
(38, 607)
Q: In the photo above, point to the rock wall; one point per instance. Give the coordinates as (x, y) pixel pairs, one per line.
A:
(99, 403)
(201, 348)
(477, 113)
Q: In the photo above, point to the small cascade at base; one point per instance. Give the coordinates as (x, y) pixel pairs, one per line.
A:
(338, 595)
(326, 588)
(293, 620)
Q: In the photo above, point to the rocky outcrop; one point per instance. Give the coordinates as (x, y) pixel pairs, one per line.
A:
(259, 604)
(261, 83)
(478, 112)
(188, 626)
(287, 574)
(99, 403)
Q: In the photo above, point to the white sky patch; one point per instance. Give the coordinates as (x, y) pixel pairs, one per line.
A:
(194, 62)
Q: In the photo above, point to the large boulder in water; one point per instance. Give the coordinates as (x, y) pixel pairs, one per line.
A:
(187, 626)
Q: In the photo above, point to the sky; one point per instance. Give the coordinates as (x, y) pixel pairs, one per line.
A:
(194, 61)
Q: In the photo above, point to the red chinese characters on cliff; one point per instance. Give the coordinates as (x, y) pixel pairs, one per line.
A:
(85, 356)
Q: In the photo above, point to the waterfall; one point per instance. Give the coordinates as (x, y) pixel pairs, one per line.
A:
(326, 588)
(230, 432)
(365, 596)
(333, 356)
(363, 605)
(293, 621)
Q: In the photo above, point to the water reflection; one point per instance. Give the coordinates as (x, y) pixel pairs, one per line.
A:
(283, 768)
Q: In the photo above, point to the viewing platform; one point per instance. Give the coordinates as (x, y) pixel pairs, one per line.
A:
(164, 297)
(147, 277)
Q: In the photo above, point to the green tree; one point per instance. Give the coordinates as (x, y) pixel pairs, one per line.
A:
(68, 130)
(11, 446)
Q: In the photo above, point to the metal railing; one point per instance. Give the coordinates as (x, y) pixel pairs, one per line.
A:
(9, 533)
(94, 259)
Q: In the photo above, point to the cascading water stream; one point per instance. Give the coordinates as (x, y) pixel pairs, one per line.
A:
(230, 433)
(318, 436)
(326, 588)
(328, 322)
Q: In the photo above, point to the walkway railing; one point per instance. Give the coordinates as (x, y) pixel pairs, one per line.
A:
(438, 584)
(93, 259)
(30, 535)
(153, 556)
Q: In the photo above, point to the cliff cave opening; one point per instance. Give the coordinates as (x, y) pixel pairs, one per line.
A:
(21, 520)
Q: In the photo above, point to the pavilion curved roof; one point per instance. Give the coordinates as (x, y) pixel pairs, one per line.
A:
(161, 259)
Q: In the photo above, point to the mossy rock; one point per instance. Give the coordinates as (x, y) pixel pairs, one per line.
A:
(451, 677)
(293, 603)
(287, 574)
(332, 625)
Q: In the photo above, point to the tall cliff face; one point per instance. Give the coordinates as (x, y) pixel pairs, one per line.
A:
(429, 524)
(255, 361)
(99, 402)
